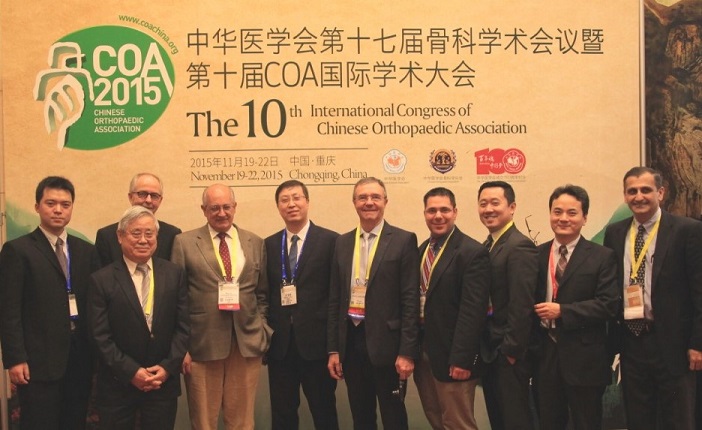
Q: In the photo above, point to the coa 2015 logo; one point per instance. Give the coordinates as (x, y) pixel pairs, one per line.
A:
(104, 86)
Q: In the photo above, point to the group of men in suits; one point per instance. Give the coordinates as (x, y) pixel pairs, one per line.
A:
(368, 306)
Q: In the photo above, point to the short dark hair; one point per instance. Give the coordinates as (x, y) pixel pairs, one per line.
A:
(640, 170)
(442, 192)
(508, 190)
(572, 190)
(369, 180)
(289, 184)
(56, 183)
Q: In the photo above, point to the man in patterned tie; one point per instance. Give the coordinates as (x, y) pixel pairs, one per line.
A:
(228, 289)
(138, 320)
(43, 327)
(659, 258)
(454, 288)
(576, 297)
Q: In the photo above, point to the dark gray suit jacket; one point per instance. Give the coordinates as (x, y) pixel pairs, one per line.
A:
(119, 331)
(455, 307)
(589, 299)
(313, 280)
(392, 298)
(34, 315)
(514, 266)
(676, 290)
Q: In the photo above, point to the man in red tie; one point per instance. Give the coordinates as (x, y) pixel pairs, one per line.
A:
(228, 290)
(576, 297)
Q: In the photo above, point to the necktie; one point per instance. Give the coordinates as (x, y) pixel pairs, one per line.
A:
(145, 287)
(224, 255)
(562, 261)
(292, 255)
(61, 256)
(428, 262)
(488, 242)
(636, 326)
(364, 254)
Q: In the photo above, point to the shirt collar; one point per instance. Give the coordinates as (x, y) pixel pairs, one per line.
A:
(52, 237)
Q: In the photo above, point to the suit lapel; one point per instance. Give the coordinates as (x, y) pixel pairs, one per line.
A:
(247, 248)
(450, 250)
(500, 244)
(204, 244)
(383, 245)
(159, 289)
(662, 244)
(579, 256)
(44, 247)
(309, 246)
(125, 283)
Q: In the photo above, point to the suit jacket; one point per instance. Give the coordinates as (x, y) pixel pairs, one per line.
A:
(119, 331)
(34, 314)
(211, 330)
(392, 297)
(455, 306)
(514, 266)
(109, 250)
(589, 297)
(313, 278)
(676, 290)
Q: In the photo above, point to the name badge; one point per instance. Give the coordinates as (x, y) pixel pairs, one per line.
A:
(633, 302)
(72, 306)
(422, 302)
(357, 303)
(288, 295)
(228, 299)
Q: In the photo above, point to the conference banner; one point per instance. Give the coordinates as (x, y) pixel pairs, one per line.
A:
(250, 94)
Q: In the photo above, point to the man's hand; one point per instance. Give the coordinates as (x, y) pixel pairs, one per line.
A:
(459, 374)
(19, 374)
(404, 366)
(695, 358)
(548, 310)
(158, 376)
(187, 365)
(141, 380)
(334, 366)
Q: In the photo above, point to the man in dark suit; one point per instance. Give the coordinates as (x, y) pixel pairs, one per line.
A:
(577, 296)
(374, 311)
(514, 264)
(229, 333)
(660, 278)
(138, 320)
(43, 286)
(455, 283)
(145, 189)
(299, 271)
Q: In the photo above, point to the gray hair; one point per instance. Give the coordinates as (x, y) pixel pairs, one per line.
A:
(132, 183)
(134, 213)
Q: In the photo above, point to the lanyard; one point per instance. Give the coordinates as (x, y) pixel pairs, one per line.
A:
(636, 263)
(436, 259)
(283, 266)
(232, 255)
(68, 268)
(357, 255)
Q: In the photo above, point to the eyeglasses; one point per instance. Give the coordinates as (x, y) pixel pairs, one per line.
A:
(295, 198)
(216, 208)
(532, 235)
(372, 197)
(138, 234)
(144, 194)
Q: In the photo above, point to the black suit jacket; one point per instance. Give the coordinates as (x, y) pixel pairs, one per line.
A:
(392, 297)
(34, 315)
(313, 280)
(676, 290)
(456, 304)
(119, 331)
(589, 299)
(514, 264)
(109, 250)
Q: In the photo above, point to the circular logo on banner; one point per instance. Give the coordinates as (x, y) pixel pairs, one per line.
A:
(514, 161)
(394, 161)
(442, 160)
(104, 86)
